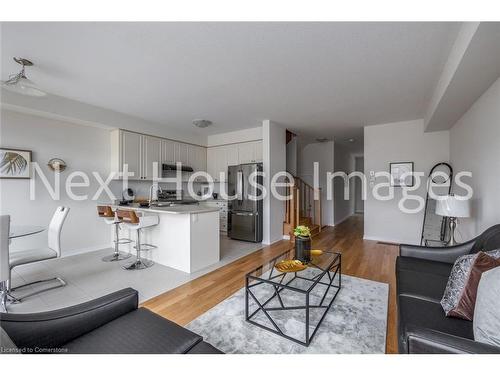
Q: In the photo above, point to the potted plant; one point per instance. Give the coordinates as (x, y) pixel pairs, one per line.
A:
(302, 243)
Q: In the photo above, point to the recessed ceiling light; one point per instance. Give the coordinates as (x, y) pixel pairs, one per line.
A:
(351, 140)
(201, 123)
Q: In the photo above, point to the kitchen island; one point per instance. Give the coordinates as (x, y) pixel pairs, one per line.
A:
(187, 236)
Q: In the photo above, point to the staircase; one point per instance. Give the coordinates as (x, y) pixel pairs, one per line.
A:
(302, 208)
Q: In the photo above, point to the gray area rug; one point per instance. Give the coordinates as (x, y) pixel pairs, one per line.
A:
(355, 323)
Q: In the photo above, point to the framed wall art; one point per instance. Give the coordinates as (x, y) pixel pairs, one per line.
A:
(15, 163)
(402, 174)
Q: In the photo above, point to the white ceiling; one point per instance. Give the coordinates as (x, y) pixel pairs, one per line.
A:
(318, 79)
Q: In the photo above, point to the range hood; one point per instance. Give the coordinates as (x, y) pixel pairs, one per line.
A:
(173, 167)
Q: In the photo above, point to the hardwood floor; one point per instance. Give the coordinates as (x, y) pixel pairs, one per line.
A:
(366, 259)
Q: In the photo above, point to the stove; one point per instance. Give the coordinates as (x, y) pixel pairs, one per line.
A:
(170, 196)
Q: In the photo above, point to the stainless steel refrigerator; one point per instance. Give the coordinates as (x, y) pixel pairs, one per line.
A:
(245, 213)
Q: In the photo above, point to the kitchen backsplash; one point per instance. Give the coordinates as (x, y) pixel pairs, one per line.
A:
(141, 188)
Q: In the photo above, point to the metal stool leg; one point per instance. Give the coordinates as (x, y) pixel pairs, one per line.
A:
(3, 296)
(12, 299)
(117, 255)
(139, 263)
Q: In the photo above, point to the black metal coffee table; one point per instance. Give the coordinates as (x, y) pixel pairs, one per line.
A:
(312, 290)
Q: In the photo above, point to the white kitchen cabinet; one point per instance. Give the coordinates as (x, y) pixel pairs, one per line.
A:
(217, 162)
(181, 153)
(140, 151)
(130, 149)
(231, 155)
(258, 151)
(223, 212)
(187, 154)
(167, 151)
(250, 152)
(246, 153)
(203, 158)
(151, 154)
(211, 151)
(219, 158)
(221, 163)
(197, 158)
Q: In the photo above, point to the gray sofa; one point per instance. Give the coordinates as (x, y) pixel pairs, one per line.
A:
(110, 324)
(421, 277)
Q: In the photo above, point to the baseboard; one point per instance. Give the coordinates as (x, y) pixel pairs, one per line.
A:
(286, 237)
(343, 219)
(390, 241)
(274, 241)
(71, 252)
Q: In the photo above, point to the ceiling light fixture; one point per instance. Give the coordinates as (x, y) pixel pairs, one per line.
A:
(351, 140)
(19, 84)
(202, 123)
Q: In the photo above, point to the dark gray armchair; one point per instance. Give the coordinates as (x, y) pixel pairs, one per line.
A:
(421, 277)
(110, 324)
(488, 240)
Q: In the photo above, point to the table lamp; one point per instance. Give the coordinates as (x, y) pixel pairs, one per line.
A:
(452, 207)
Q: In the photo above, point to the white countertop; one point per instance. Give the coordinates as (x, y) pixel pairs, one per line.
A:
(181, 209)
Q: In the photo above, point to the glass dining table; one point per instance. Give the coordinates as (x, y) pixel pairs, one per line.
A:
(17, 231)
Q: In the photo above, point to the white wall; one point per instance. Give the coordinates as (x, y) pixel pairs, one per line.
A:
(274, 160)
(68, 110)
(464, 37)
(396, 142)
(245, 135)
(344, 162)
(475, 147)
(83, 148)
(323, 153)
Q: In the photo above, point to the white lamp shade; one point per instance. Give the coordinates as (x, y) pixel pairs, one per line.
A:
(453, 207)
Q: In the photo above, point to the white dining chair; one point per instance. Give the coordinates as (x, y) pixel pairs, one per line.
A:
(4, 260)
(53, 250)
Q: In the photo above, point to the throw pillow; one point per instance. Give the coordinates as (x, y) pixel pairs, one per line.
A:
(467, 300)
(458, 278)
(486, 323)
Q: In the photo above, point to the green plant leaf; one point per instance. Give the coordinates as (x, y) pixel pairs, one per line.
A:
(302, 231)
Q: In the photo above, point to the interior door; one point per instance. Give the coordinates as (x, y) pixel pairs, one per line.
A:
(131, 154)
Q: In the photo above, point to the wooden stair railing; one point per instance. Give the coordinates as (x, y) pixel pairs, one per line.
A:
(302, 208)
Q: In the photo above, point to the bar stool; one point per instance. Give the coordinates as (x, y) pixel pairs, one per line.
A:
(110, 218)
(132, 221)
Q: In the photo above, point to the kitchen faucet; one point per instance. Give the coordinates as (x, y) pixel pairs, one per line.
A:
(150, 200)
